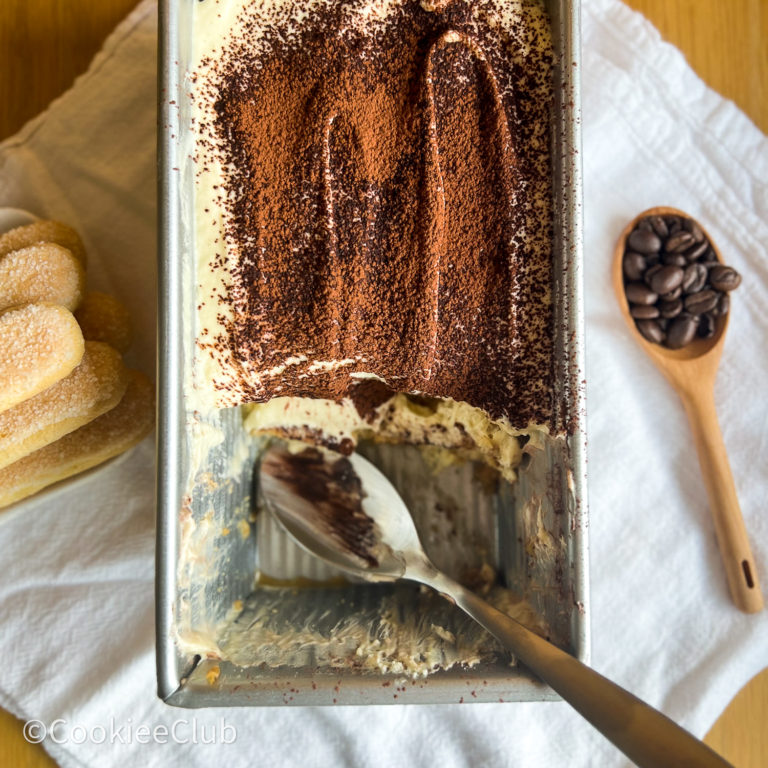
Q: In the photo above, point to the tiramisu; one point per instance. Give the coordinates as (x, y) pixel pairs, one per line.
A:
(373, 220)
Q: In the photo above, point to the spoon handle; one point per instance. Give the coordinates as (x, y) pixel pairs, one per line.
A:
(732, 539)
(647, 737)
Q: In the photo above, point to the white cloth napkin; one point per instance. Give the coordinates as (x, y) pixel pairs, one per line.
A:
(76, 595)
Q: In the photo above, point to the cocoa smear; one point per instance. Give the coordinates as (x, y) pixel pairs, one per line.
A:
(335, 492)
(381, 201)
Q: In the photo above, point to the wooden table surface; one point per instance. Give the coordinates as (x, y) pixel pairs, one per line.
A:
(44, 44)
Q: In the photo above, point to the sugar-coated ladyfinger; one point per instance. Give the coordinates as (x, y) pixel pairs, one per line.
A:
(43, 232)
(103, 318)
(39, 345)
(93, 388)
(43, 272)
(109, 435)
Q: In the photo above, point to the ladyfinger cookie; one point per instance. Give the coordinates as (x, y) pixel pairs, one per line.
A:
(105, 437)
(44, 272)
(93, 388)
(43, 232)
(39, 345)
(103, 318)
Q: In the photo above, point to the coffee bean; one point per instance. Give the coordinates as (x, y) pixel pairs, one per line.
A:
(701, 302)
(651, 330)
(674, 259)
(679, 242)
(651, 271)
(665, 279)
(724, 278)
(644, 225)
(706, 327)
(670, 307)
(682, 331)
(644, 241)
(672, 295)
(644, 311)
(639, 293)
(673, 224)
(652, 259)
(694, 278)
(709, 264)
(659, 226)
(723, 304)
(692, 226)
(634, 265)
(697, 251)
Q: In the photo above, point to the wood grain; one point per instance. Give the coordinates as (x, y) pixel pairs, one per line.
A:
(725, 41)
(45, 44)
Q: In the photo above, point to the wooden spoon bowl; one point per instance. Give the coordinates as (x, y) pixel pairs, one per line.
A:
(692, 371)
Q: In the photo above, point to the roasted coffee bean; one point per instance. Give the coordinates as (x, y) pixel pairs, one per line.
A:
(694, 277)
(697, 251)
(651, 271)
(651, 330)
(723, 305)
(706, 327)
(701, 302)
(670, 308)
(665, 279)
(634, 265)
(644, 225)
(681, 331)
(644, 241)
(709, 264)
(692, 226)
(679, 242)
(652, 259)
(659, 226)
(644, 311)
(724, 278)
(639, 293)
(672, 295)
(674, 260)
(673, 224)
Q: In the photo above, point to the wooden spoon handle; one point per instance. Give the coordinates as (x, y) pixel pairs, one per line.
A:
(731, 534)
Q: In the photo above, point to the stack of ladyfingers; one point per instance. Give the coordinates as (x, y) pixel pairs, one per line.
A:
(67, 401)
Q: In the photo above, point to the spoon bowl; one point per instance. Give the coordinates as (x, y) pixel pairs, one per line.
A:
(692, 371)
(701, 355)
(346, 512)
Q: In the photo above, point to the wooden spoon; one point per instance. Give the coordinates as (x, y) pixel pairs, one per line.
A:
(691, 371)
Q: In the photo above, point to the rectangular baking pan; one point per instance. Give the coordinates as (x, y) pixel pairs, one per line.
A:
(197, 592)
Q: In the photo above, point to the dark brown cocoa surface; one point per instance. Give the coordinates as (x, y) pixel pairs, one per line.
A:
(384, 202)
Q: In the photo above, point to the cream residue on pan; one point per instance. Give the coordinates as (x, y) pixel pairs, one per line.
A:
(286, 617)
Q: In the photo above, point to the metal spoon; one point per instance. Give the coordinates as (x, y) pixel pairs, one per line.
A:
(691, 371)
(346, 512)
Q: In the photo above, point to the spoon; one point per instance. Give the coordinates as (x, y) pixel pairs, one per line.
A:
(346, 512)
(691, 371)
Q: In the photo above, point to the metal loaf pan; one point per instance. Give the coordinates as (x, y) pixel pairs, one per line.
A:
(205, 578)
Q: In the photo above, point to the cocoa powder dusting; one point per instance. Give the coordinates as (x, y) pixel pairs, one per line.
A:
(388, 198)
